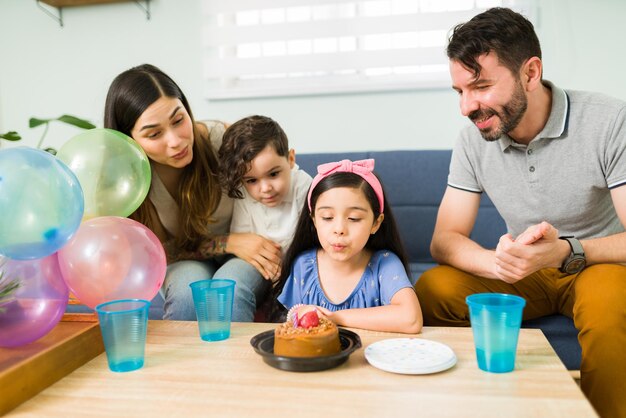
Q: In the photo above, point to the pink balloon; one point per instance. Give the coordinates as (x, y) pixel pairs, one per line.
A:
(37, 305)
(113, 258)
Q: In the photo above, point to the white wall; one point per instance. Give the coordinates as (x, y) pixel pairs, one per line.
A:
(46, 71)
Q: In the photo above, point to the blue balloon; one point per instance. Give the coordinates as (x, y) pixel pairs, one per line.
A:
(41, 203)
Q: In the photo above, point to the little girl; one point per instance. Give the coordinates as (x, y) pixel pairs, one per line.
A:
(347, 257)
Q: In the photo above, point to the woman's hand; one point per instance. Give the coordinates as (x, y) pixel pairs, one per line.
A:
(262, 253)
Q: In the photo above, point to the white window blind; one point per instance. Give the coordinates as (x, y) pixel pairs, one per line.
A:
(256, 48)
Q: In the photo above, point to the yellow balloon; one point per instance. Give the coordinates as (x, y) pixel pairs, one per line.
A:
(113, 171)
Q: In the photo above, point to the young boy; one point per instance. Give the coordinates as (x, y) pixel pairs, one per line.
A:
(261, 174)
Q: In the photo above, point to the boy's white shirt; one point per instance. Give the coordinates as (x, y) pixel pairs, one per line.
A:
(277, 223)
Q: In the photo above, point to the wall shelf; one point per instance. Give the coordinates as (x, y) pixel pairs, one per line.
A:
(60, 4)
(70, 3)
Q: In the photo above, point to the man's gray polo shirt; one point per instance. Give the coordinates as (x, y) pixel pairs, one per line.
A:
(563, 176)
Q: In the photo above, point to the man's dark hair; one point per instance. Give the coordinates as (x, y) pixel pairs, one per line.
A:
(500, 30)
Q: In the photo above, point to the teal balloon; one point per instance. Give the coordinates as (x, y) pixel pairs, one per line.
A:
(41, 203)
(112, 168)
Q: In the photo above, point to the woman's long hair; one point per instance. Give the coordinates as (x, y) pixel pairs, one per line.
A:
(199, 194)
(305, 237)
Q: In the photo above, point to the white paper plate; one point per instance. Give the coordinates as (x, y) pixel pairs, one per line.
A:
(410, 356)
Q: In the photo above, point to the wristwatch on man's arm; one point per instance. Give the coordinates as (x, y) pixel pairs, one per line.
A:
(575, 261)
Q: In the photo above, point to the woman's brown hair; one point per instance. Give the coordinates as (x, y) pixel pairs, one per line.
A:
(199, 194)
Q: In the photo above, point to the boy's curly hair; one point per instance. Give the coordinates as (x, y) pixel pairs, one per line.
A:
(243, 141)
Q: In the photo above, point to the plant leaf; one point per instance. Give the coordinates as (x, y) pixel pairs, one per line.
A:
(8, 286)
(34, 122)
(73, 120)
(11, 136)
(51, 150)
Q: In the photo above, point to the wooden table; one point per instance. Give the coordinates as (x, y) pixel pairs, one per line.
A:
(187, 377)
(28, 369)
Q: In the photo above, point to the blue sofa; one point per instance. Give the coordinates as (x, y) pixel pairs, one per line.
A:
(415, 182)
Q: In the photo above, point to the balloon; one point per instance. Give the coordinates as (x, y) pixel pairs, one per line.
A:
(113, 171)
(113, 258)
(37, 305)
(41, 203)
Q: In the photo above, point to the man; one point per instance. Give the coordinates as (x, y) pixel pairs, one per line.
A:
(554, 164)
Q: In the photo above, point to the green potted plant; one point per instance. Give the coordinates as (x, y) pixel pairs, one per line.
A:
(8, 287)
(35, 122)
(11, 136)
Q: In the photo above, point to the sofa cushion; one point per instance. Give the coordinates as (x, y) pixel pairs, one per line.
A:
(563, 337)
(414, 183)
(417, 269)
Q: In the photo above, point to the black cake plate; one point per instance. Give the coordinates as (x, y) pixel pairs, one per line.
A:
(263, 344)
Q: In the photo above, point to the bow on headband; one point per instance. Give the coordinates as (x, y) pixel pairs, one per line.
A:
(362, 168)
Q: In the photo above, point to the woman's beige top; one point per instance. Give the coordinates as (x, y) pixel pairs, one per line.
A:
(167, 208)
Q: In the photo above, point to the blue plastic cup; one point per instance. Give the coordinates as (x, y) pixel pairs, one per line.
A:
(213, 301)
(124, 324)
(496, 319)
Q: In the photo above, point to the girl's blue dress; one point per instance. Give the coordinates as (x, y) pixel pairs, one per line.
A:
(382, 278)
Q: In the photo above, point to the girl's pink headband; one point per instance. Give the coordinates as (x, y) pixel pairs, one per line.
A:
(362, 168)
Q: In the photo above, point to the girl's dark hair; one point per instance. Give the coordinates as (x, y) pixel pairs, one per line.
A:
(509, 34)
(199, 194)
(305, 237)
(243, 141)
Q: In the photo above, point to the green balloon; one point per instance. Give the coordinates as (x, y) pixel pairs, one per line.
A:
(113, 171)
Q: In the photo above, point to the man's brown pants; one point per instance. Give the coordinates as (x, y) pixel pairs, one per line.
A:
(595, 298)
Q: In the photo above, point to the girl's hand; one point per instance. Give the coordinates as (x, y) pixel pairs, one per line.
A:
(262, 253)
(328, 314)
(403, 314)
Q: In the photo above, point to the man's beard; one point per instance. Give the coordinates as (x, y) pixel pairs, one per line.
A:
(510, 116)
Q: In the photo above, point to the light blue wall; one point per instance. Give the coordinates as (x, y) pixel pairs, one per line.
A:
(46, 70)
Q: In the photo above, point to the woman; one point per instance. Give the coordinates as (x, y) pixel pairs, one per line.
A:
(185, 206)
